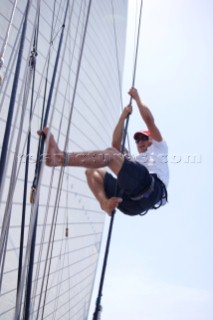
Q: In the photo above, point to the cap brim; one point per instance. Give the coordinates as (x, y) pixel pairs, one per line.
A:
(141, 133)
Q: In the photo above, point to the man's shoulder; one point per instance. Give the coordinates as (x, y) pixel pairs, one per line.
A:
(160, 145)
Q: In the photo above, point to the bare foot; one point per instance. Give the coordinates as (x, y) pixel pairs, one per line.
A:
(108, 205)
(54, 156)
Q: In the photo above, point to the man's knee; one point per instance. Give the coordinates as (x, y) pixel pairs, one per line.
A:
(112, 154)
(112, 150)
(93, 173)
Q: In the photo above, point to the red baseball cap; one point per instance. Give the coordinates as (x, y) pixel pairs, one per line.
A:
(140, 133)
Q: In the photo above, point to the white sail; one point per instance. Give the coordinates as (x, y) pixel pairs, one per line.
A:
(84, 108)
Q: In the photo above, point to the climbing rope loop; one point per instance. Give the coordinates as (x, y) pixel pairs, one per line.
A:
(98, 307)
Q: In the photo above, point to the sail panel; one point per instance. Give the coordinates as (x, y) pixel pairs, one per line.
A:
(86, 97)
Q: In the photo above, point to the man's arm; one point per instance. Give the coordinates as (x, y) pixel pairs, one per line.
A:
(146, 115)
(118, 131)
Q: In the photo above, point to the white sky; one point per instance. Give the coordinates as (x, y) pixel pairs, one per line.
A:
(160, 266)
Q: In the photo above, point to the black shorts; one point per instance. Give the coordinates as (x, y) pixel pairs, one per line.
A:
(132, 181)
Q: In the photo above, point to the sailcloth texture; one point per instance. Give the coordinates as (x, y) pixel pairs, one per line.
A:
(61, 66)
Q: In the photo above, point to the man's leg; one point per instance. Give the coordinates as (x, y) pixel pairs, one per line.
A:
(109, 157)
(95, 179)
(91, 160)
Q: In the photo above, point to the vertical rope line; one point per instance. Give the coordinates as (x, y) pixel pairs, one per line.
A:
(47, 71)
(134, 75)
(59, 282)
(16, 116)
(69, 279)
(64, 51)
(77, 73)
(67, 242)
(59, 131)
(49, 193)
(118, 64)
(71, 110)
(10, 63)
(60, 126)
(64, 254)
(19, 104)
(117, 57)
(8, 30)
(27, 81)
(37, 174)
(7, 35)
(33, 65)
(8, 208)
(98, 308)
(13, 95)
(14, 128)
(41, 143)
(35, 206)
(47, 210)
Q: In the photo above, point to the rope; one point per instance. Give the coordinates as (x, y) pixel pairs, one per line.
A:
(98, 308)
(34, 212)
(49, 193)
(134, 75)
(59, 282)
(8, 32)
(33, 66)
(68, 130)
(10, 63)
(118, 66)
(46, 66)
(37, 173)
(6, 221)
(73, 240)
(48, 199)
(30, 76)
(47, 209)
(16, 126)
(6, 38)
(13, 95)
(51, 182)
(20, 105)
(21, 180)
(117, 58)
(59, 78)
